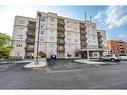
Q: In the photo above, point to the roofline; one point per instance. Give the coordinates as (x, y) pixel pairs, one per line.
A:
(66, 17)
(117, 40)
(26, 17)
(76, 19)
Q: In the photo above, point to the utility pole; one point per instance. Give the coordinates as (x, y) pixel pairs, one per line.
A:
(39, 16)
(90, 18)
(85, 16)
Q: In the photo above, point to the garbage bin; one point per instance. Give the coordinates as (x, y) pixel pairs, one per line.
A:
(53, 59)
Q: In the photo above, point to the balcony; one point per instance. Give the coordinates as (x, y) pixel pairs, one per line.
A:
(60, 41)
(60, 29)
(83, 32)
(29, 49)
(30, 41)
(83, 38)
(60, 49)
(60, 35)
(30, 34)
(100, 46)
(100, 40)
(31, 27)
(83, 44)
(99, 35)
(61, 23)
(82, 26)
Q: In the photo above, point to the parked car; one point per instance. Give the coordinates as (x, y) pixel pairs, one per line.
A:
(123, 56)
(113, 58)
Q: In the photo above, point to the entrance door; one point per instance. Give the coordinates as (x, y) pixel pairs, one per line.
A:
(84, 55)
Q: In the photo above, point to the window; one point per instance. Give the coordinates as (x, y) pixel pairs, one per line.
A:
(69, 40)
(51, 38)
(68, 46)
(20, 36)
(52, 19)
(68, 54)
(43, 19)
(68, 22)
(41, 40)
(76, 54)
(19, 45)
(20, 29)
(18, 53)
(51, 45)
(75, 22)
(42, 30)
(95, 54)
(51, 26)
(76, 40)
(69, 34)
(22, 22)
(51, 31)
(42, 25)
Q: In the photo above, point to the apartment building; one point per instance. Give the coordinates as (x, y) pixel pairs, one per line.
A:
(60, 36)
(117, 47)
(23, 37)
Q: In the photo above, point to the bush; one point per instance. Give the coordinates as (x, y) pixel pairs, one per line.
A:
(42, 54)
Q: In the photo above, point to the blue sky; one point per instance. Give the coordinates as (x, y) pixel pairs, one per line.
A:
(113, 19)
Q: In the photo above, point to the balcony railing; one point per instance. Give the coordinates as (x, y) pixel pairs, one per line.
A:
(31, 34)
(83, 38)
(30, 41)
(29, 48)
(60, 41)
(60, 35)
(100, 40)
(60, 49)
(61, 23)
(31, 27)
(99, 35)
(83, 44)
(82, 26)
(100, 46)
(83, 32)
(60, 29)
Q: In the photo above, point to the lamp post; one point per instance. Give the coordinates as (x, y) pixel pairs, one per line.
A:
(39, 16)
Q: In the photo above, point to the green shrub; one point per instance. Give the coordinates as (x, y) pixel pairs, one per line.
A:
(42, 54)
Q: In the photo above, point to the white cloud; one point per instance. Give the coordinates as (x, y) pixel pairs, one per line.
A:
(113, 16)
(121, 36)
(98, 16)
(8, 13)
(7, 18)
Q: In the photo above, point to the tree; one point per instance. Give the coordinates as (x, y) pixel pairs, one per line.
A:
(4, 45)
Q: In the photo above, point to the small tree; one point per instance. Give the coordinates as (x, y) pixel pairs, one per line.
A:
(42, 54)
(4, 45)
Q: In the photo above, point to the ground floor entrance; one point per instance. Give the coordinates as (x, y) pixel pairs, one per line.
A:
(84, 55)
(90, 53)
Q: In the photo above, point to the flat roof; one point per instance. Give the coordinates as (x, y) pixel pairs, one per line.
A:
(26, 17)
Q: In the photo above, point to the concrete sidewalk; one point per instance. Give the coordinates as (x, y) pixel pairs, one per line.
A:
(14, 61)
(85, 61)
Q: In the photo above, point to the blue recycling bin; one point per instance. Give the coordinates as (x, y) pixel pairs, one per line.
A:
(53, 57)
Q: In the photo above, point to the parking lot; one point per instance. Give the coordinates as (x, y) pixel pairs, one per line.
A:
(64, 74)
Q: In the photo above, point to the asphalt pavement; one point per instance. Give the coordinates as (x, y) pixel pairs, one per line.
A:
(64, 74)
